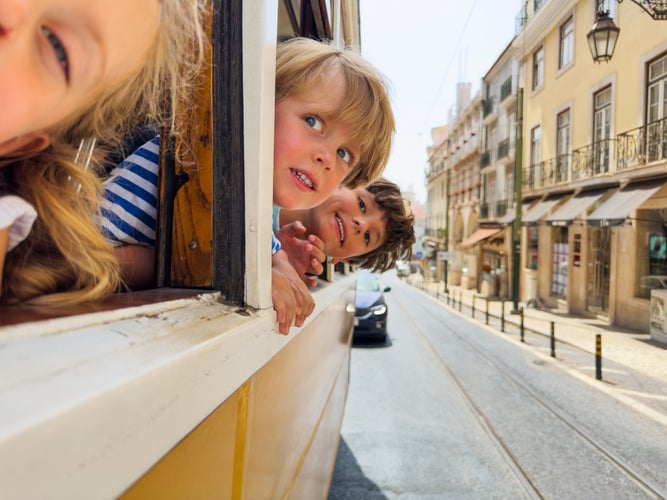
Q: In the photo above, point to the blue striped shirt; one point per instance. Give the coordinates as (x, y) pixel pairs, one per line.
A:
(129, 207)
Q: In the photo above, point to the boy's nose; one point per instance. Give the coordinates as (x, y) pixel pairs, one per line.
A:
(360, 224)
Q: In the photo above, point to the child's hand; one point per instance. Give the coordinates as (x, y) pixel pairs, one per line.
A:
(306, 256)
(291, 299)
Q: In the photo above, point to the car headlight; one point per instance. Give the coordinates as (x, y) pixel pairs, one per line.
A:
(379, 310)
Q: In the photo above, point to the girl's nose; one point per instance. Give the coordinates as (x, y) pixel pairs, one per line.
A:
(12, 15)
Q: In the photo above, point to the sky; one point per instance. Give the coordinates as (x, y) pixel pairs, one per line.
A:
(424, 47)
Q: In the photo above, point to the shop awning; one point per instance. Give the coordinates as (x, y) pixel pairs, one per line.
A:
(616, 209)
(538, 211)
(481, 234)
(510, 215)
(574, 207)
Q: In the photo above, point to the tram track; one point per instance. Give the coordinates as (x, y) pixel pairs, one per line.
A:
(519, 472)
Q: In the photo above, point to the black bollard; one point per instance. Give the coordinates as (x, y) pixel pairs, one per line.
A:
(502, 316)
(521, 325)
(487, 311)
(553, 340)
(598, 356)
(472, 309)
(460, 300)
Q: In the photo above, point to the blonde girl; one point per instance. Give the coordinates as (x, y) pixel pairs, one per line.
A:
(71, 70)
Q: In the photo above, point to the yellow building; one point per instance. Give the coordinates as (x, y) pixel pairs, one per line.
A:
(594, 160)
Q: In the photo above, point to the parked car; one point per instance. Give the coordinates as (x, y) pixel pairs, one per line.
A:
(370, 316)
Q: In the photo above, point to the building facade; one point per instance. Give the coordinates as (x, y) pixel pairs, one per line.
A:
(594, 161)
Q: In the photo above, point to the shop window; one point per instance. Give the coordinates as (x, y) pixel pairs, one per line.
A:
(531, 247)
(559, 267)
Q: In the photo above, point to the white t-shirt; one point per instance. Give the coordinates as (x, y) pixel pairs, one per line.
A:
(18, 215)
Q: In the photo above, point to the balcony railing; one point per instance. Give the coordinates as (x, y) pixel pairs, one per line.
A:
(485, 159)
(642, 145)
(506, 89)
(592, 159)
(528, 177)
(503, 148)
(487, 107)
(501, 208)
(484, 210)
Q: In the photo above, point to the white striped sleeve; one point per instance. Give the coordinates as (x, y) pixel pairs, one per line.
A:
(18, 215)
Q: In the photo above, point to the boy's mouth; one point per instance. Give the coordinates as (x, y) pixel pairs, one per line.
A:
(341, 229)
(303, 178)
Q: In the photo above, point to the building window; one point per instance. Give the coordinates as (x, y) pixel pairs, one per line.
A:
(538, 68)
(563, 146)
(531, 248)
(535, 156)
(602, 139)
(560, 263)
(656, 112)
(566, 53)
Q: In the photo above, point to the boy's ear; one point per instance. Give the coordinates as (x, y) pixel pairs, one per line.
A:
(24, 145)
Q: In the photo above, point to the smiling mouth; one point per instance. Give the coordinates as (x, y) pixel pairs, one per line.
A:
(303, 178)
(341, 230)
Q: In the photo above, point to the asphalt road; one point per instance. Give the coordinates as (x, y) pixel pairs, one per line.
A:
(450, 409)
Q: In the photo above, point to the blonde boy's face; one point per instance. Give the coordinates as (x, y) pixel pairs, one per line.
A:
(349, 223)
(312, 152)
(56, 56)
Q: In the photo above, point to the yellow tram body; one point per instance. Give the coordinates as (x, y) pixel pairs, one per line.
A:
(187, 390)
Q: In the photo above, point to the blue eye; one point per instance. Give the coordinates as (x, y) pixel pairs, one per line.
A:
(58, 50)
(313, 122)
(345, 155)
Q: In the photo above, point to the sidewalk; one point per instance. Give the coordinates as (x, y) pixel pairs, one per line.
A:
(631, 349)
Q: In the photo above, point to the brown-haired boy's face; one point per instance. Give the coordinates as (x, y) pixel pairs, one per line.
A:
(349, 223)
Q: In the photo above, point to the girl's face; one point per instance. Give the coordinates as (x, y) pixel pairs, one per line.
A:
(56, 56)
(312, 153)
(349, 223)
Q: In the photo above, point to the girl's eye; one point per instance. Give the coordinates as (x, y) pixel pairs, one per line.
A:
(367, 237)
(362, 205)
(313, 122)
(345, 155)
(58, 50)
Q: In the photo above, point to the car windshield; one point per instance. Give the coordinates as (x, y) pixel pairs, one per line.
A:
(367, 283)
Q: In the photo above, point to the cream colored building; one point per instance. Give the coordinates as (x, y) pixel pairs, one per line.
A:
(453, 185)
(594, 161)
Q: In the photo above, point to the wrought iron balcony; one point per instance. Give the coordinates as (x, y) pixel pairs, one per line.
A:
(501, 208)
(642, 145)
(487, 107)
(592, 159)
(506, 89)
(503, 148)
(528, 176)
(485, 159)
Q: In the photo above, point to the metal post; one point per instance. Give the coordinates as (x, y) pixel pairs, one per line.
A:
(446, 246)
(521, 325)
(487, 311)
(502, 315)
(516, 228)
(598, 356)
(460, 299)
(553, 339)
(472, 308)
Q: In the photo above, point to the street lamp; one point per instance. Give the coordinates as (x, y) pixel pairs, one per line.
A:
(602, 37)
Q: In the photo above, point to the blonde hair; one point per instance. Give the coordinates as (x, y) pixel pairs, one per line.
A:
(302, 64)
(65, 260)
